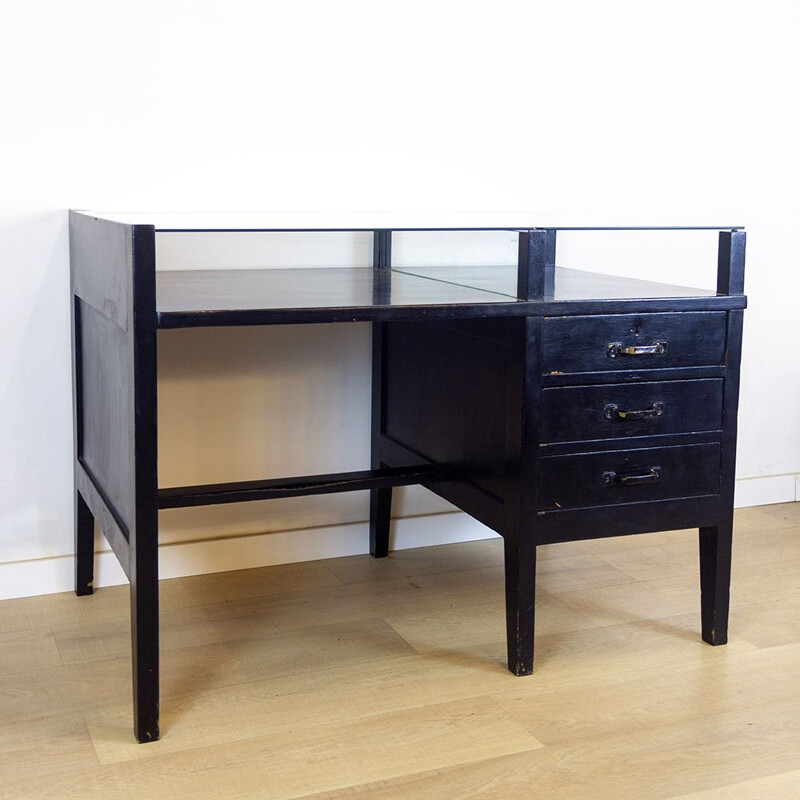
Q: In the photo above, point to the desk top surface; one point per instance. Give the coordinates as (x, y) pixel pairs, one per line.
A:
(258, 296)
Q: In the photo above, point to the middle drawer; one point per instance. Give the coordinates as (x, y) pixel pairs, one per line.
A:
(610, 411)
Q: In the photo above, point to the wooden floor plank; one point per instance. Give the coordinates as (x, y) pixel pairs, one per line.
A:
(678, 558)
(84, 687)
(704, 753)
(256, 708)
(278, 651)
(300, 609)
(637, 701)
(294, 763)
(783, 786)
(64, 608)
(767, 624)
(386, 679)
(781, 513)
(220, 587)
(417, 561)
(32, 748)
(22, 651)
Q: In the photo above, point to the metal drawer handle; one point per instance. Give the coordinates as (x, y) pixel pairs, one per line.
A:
(611, 478)
(611, 411)
(618, 349)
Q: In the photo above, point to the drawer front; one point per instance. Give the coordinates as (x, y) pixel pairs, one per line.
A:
(628, 476)
(611, 411)
(633, 341)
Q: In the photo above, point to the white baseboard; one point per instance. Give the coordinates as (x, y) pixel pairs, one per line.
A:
(765, 490)
(50, 575)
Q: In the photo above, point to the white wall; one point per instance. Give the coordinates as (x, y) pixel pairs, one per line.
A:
(624, 112)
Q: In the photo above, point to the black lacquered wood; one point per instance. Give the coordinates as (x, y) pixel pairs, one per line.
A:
(716, 541)
(380, 517)
(521, 537)
(605, 411)
(380, 499)
(113, 284)
(730, 265)
(356, 290)
(246, 491)
(447, 387)
(576, 481)
(106, 445)
(83, 518)
(626, 443)
(84, 547)
(563, 284)
(587, 343)
(578, 524)
(451, 311)
(537, 264)
(520, 585)
(111, 526)
(715, 576)
(144, 534)
(595, 406)
(196, 298)
(633, 375)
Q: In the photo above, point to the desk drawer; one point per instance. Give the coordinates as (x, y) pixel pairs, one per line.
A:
(628, 476)
(611, 411)
(633, 341)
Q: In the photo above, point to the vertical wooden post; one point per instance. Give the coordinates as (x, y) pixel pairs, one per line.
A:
(84, 547)
(536, 267)
(143, 564)
(83, 517)
(716, 541)
(730, 262)
(520, 573)
(715, 578)
(520, 541)
(380, 500)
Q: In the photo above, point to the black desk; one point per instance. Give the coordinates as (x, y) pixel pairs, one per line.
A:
(550, 404)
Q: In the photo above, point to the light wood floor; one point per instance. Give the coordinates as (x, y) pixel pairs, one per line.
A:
(386, 679)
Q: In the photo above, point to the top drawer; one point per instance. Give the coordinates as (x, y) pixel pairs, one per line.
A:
(600, 343)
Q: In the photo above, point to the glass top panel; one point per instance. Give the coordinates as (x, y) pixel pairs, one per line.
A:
(265, 221)
(570, 284)
(360, 287)
(331, 287)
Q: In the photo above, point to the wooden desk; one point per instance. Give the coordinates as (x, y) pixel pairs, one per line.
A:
(550, 404)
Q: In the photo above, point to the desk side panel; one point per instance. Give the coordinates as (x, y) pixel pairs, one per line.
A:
(105, 414)
(448, 388)
(101, 267)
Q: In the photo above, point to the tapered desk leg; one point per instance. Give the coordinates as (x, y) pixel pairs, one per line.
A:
(715, 578)
(520, 562)
(380, 500)
(144, 643)
(380, 515)
(84, 547)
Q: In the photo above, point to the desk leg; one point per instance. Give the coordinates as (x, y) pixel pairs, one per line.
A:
(84, 547)
(144, 645)
(520, 559)
(715, 579)
(380, 516)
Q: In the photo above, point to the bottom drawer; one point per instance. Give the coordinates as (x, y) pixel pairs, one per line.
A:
(628, 476)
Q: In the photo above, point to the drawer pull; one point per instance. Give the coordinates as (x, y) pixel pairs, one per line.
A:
(611, 411)
(611, 478)
(616, 349)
